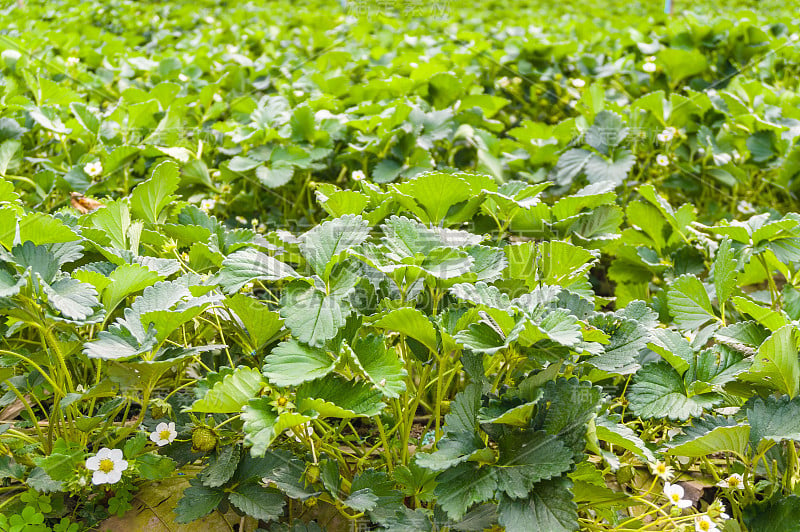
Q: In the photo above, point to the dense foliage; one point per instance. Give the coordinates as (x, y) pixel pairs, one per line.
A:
(406, 267)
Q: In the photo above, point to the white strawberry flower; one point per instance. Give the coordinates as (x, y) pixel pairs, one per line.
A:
(674, 493)
(359, 175)
(208, 204)
(734, 482)
(93, 169)
(662, 160)
(661, 470)
(72, 61)
(703, 523)
(649, 67)
(164, 434)
(667, 135)
(107, 465)
(578, 83)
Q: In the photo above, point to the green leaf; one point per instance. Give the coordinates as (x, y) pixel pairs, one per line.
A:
(550, 507)
(9, 286)
(779, 514)
(292, 363)
(265, 504)
(72, 298)
(724, 272)
(340, 202)
(673, 347)
(8, 149)
(118, 343)
(600, 169)
(481, 294)
(436, 192)
(572, 404)
(62, 461)
(464, 410)
(462, 486)
(197, 501)
(39, 259)
(451, 451)
(246, 265)
(276, 174)
(649, 193)
(231, 393)
(382, 366)
(262, 424)
(710, 435)
(775, 419)
(571, 164)
(627, 338)
(311, 315)
(689, 303)
(562, 263)
(658, 391)
(410, 322)
(150, 198)
(124, 281)
(40, 228)
(334, 396)
(607, 131)
(115, 221)
(527, 458)
(679, 63)
(361, 500)
(623, 436)
(509, 414)
(322, 245)
(771, 319)
(222, 467)
(262, 324)
(155, 467)
(776, 364)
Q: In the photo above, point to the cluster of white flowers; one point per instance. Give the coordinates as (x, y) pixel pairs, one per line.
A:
(72, 61)
(93, 169)
(674, 494)
(649, 65)
(108, 464)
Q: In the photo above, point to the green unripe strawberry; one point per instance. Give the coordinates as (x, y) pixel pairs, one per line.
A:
(312, 473)
(203, 439)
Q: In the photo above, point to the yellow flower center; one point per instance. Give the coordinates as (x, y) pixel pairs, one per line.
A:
(106, 465)
(733, 482)
(675, 497)
(704, 525)
(163, 435)
(661, 469)
(282, 401)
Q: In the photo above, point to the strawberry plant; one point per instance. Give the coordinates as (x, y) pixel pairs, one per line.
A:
(311, 266)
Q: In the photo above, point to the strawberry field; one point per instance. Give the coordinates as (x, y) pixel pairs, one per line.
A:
(399, 266)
